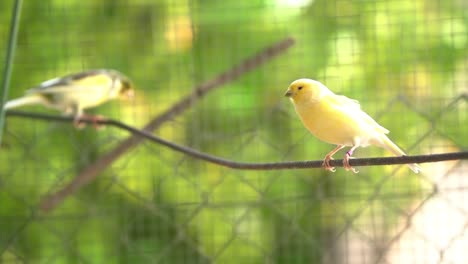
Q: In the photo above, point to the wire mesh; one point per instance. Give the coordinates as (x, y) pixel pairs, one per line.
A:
(405, 61)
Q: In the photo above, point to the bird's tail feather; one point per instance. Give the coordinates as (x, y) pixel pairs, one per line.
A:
(26, 100)
(389, 145)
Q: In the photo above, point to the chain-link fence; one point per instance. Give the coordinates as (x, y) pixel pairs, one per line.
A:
(211, 75)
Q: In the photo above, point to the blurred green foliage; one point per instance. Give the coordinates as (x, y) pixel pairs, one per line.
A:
(157, 205)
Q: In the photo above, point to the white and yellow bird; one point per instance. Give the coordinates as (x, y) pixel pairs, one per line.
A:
(73, 93)
(338, 120)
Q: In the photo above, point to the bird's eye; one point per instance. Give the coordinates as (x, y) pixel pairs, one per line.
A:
(299, 88)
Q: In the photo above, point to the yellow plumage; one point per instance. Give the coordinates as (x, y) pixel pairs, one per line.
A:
(338, 120)
(73, 93)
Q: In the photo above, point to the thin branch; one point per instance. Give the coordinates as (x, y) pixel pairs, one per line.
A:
(255, 166)
(91, 172)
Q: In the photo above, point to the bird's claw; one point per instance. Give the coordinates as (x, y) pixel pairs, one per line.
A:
(96, 120)
(347, 166)
(78, 122)
(326, 164)
(351, 169)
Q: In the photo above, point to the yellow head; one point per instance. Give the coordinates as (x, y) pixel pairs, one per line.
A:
(306, 90)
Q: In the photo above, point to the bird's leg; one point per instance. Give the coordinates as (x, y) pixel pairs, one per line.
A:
(78, 123)
(326, 162)
(78, 114)
(346, 160)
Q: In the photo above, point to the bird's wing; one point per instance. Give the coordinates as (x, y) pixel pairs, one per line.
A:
(347, 104)
(342, 101)
(91, 78)
(369, 120)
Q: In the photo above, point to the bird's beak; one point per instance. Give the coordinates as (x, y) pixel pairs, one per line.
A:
(288, 93)
(130, 94)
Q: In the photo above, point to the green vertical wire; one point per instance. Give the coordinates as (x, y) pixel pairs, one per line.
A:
(9, 61)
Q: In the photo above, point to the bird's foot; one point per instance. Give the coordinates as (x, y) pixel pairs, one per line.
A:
(346, 164)
(326, 164)
(96, 119)
(78, 122)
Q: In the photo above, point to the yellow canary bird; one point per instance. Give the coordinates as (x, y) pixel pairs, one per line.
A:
(73, 93)
(338, 120)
